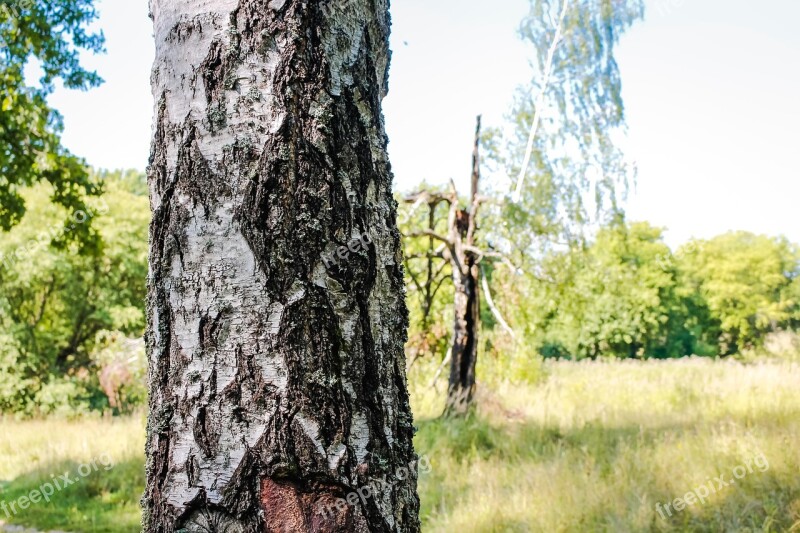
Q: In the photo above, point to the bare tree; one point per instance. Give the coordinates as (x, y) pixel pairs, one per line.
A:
(276, 301)
(458, 247)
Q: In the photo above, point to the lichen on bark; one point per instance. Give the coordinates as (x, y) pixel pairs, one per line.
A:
(277, 381)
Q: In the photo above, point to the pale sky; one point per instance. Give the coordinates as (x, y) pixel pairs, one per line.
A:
(711, 89)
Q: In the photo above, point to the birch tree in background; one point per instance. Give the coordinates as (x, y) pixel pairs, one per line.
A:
(562, 162)
(572, 175)
(276, 301)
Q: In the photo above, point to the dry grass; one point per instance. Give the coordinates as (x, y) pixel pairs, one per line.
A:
(106, 500)
(569, 447)
(596, 445)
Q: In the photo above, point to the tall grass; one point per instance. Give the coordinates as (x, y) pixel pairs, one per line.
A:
(597, 445)
(590, 446)
(106, 500)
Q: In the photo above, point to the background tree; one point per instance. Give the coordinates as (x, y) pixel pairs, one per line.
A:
(275, 341)
(617, 297)
(429, 278)
(748, 284)
(576, 173)
(458, 248)
(55, 301)
(48, 35)
(577, 94)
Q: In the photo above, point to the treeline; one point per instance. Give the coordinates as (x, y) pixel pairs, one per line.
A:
(627, 295)
(72, 293)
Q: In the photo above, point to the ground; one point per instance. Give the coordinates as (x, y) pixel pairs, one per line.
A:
(595, 446)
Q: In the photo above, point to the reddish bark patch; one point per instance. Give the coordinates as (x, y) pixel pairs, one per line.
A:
(290, 509)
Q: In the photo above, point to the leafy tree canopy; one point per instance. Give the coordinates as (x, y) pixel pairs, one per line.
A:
(48, 34)
(577, 172)
(55, 302)
(748, 282)
(616, 297)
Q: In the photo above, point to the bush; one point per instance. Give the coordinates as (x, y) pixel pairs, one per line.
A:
(780, 345)
(64, 398)
(14, 386)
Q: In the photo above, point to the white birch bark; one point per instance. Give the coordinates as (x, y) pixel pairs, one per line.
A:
(276, 378)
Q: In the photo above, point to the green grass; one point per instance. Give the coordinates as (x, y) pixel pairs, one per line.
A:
(590, 447)
(105, 500)
(596, 446)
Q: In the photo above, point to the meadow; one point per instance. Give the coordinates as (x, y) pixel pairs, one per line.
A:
(587, 446)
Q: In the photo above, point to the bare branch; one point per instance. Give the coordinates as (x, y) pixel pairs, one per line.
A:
(418, 202)
(431, 198)
(427, 255)
(539, 104)
(453, 190)
(430, 233)
(493, 307)
(481, 254)
(476, 178)
(439, 285)
(439, 370)
(413, 276)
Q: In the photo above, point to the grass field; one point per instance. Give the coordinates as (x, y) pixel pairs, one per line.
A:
(589, 447)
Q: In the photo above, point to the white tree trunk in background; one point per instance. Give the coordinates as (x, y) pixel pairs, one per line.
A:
(276, 302)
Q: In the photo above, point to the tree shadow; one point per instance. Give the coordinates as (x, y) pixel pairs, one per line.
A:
(95, 496)
(761, 501)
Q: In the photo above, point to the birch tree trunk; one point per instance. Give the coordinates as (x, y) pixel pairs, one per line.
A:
(276, 301)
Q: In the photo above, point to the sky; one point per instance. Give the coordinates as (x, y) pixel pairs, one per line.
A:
(710, 88)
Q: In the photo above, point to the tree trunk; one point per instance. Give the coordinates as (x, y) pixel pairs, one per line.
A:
(464, 356)
(276, 302)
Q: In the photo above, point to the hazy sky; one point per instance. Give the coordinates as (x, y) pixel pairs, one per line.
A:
(711, 88)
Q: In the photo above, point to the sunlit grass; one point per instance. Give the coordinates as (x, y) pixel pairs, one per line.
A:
(596, 445)
(106, 500)
(565, 447)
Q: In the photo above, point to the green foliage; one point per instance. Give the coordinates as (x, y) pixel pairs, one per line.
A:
(626, 295)
(576, 174)
(55, 300)
(65, 396)
(582, 113)
(429, 283)
(51, 34)
(615, 298)
(748, 284)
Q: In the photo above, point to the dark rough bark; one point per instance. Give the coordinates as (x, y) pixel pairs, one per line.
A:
(276, 301)
(466, 305)
(464, 352)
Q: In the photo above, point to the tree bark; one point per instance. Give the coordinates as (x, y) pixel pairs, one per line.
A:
(464, 354)
(276, 302)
